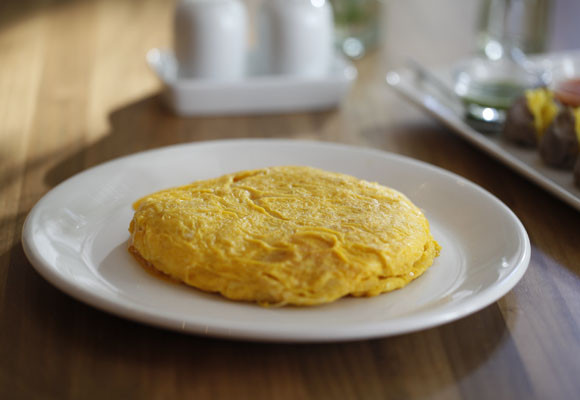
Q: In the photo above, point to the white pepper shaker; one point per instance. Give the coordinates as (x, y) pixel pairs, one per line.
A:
(296, 36)
(210, 39)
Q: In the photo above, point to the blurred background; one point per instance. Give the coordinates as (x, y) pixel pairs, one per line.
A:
(55, 45)
(83, 61)
(390, 30)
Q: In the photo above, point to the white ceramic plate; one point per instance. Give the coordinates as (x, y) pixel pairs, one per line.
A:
(256, 94)
(523, 160)
(76, 237)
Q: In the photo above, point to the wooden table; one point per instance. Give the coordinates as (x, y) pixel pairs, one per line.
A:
(75, 91)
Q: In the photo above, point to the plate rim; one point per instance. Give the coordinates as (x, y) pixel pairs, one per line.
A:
(136, 313)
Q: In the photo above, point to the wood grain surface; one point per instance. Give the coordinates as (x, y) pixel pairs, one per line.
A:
(75, 92)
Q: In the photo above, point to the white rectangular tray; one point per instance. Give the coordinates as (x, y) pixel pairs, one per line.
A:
(523, 160)
(256, 94)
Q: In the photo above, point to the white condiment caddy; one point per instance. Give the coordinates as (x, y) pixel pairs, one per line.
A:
(210, 39)
(295, 37)
(213, 72)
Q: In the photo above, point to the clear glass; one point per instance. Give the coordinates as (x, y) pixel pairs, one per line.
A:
(524, 24)
(508, 30)
(356, 25)
(489, 87)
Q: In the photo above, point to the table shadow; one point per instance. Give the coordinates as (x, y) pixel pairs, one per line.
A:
(147, 124)
(13, 13)
(468, 350)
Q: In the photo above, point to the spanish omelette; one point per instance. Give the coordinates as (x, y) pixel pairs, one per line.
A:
(284, 235)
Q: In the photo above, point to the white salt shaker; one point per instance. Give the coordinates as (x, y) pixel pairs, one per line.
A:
(296, 36)
(210, 39)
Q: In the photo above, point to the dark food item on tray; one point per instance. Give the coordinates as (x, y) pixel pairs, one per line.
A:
(519, 125)
(559, 146)
(549, 120)
(529, 116)
(577, 172)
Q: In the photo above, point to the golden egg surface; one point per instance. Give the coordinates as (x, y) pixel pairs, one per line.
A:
(284, 235)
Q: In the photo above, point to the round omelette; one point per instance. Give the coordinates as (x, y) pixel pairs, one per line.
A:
(284, 235)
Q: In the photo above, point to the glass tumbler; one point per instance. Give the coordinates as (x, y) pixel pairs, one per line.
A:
(356, 25)
(524, 24)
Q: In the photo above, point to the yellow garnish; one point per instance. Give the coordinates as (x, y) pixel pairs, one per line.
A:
(543, 108)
